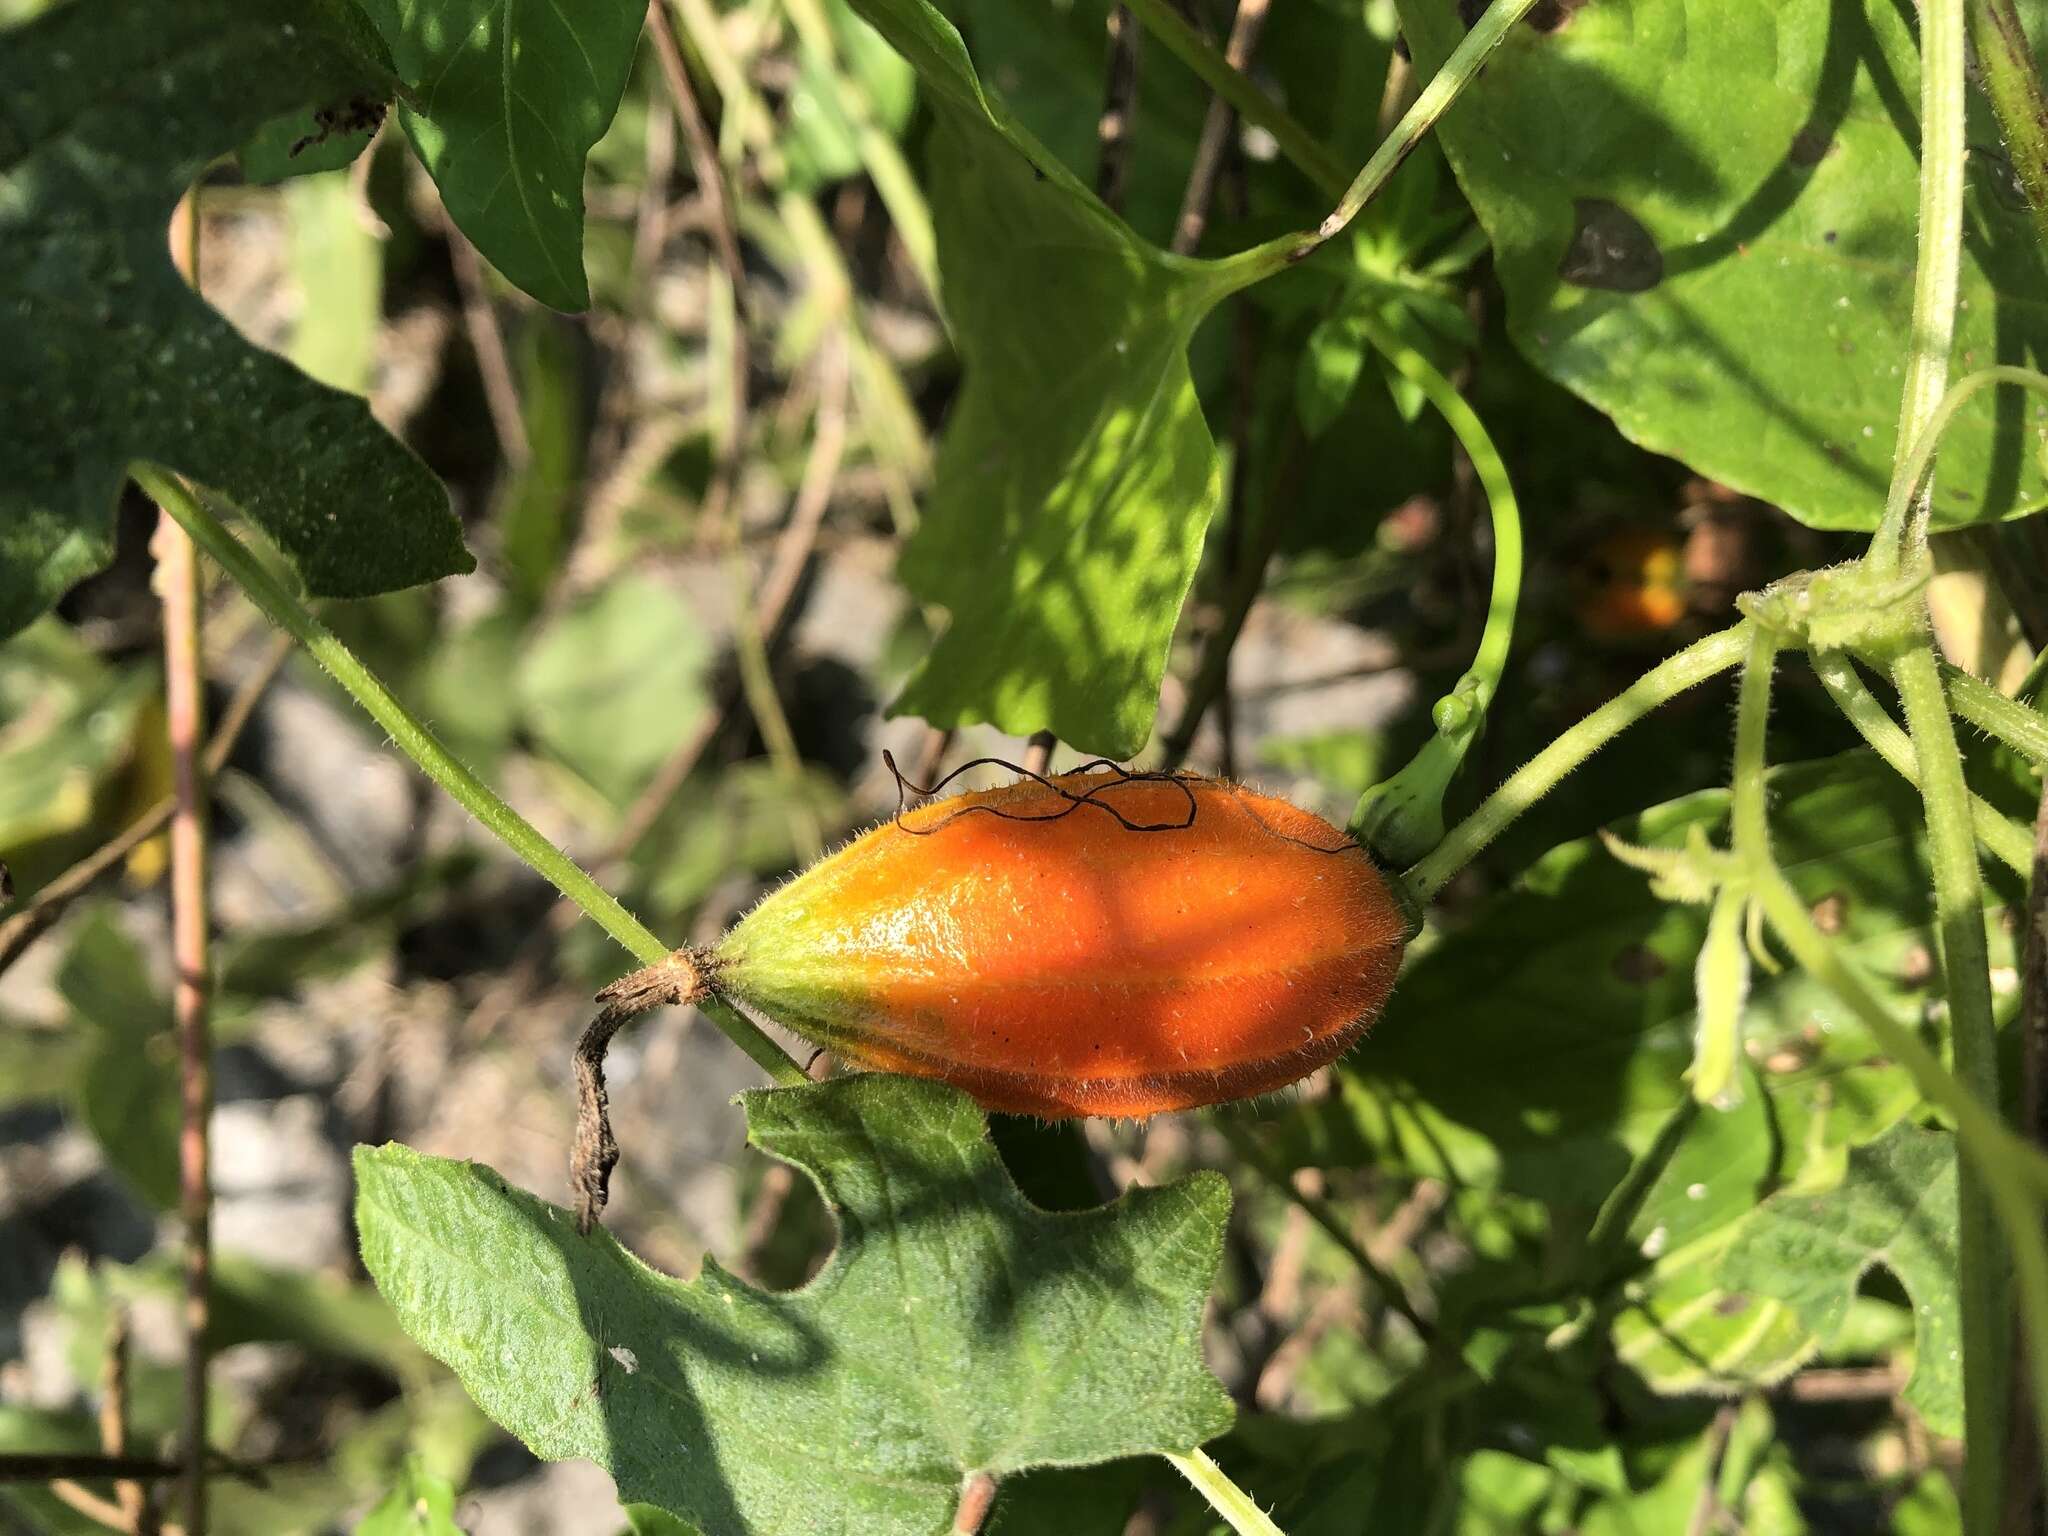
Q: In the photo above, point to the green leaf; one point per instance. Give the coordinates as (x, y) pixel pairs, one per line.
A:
(1895, 1210)
(338, 266)
(956, 1329)
(68, 723)
(420, 1504)
(1077, 477)
(1575, 990)
(537, 509)
(611, 685)
(127, 1094)
(302, 144)
(507, 97)
(1930, 1508)
(113, 108)
(1683, 1330)
(1737, 290)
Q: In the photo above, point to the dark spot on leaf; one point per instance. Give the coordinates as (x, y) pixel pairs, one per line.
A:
(1810, 146)
(1831, 913)
(1610, 249)
(1728, 1306)
(1831, 236)
(1639, 965)
(1916, 966)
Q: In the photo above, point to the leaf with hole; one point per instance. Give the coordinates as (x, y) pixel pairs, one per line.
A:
(1736, 290)
(113, 109)
(1896, 1210)
(956, 1329)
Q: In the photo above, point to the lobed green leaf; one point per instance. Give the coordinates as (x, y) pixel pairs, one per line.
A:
(111, 110)
(957, 1329)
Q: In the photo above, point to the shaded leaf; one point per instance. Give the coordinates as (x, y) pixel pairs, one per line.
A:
(507, 99)
(127, 1092)
(1896, 1209)
(68, 722)
(957, 1328)
(1077, 477)
(1739, 295)
(1542, 1049)
(112, 109)
(612, 684)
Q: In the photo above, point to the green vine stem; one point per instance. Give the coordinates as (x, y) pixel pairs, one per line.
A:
(1910, 479)
(439, 764)
(1459, 71)
(1973, 1030)
(1935, 276)
(1252, 104)
(2023, 729)
(1225, 1497)
(1999, 1158)
(1402, 818)
(2005, 63)
(1674, 675)
(2007, 842)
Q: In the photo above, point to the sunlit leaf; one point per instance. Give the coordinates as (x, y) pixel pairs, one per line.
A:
(1895, 1210)
(1077, 477)
(1734, 285)
(507, 99)
(957, 1328)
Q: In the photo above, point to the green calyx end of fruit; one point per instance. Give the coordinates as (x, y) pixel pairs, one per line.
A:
(1400, 819)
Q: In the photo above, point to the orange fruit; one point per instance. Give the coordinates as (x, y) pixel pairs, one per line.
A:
(1095, 944)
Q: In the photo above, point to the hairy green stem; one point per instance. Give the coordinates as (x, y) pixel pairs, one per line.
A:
(1402, 818)
(1910, 478)
(2005, 63)
(1966, 978)
(413, 738)
(1225, 1497)
(2006, 840)
(1999, 1163)
(2023, 729)
(1674, 675)
(1937, 274)
(1252, 104)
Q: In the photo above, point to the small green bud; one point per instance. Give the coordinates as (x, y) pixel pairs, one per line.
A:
(1721, 982)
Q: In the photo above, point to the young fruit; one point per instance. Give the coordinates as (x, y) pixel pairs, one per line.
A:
(1100, 944)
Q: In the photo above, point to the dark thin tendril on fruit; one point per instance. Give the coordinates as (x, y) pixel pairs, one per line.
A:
(1115, 778)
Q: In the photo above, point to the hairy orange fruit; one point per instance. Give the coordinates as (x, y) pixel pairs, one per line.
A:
(1096, 945)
